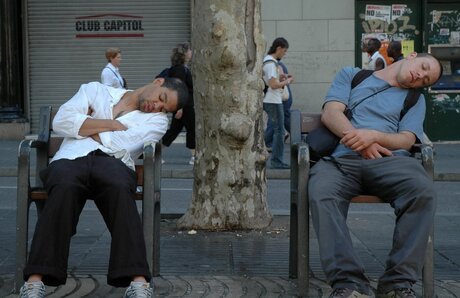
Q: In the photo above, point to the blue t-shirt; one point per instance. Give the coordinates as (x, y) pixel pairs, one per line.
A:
(379, 112)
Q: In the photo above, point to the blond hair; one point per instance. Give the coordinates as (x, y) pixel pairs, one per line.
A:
(111, 53)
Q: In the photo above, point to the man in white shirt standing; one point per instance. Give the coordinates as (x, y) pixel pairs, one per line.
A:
(110, 75)
(104, 129)
(376, 60)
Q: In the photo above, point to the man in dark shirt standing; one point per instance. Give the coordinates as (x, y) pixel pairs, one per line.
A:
(394, 51)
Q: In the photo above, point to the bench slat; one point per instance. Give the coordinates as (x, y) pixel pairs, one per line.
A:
(54, 144)
(38, 195)
(310, 121)
(367, 199)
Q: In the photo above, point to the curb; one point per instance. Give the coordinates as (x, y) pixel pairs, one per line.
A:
(8, 172)
(271, 174)
(167, 173)
(447, 177)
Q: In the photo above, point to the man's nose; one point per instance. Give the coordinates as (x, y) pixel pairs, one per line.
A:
(160, 106)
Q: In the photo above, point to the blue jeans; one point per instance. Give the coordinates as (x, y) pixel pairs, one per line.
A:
(276, 116)
(287, 122)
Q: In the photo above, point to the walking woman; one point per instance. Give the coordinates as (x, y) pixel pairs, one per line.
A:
(185, 117)
(110, 75)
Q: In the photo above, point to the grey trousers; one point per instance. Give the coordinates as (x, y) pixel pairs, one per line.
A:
(400, 181)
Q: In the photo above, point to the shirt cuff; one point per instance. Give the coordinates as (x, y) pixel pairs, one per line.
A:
(106, 138)
(78, 123)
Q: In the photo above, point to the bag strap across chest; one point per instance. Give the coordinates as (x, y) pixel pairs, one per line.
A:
(411, 98)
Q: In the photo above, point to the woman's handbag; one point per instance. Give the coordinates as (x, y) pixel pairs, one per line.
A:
(285, 95)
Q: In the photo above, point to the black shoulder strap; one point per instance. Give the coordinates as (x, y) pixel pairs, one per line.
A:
(263, 64)
(360, 76)
(269, 61)
(411, 99)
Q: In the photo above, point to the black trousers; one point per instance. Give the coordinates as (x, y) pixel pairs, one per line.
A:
(69, 183)
(187, 120)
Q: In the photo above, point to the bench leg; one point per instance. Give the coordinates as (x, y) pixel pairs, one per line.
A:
(156, 236)
(22, 213)
(293, 225)
(148, 203)
(303, 249)
(303, 215)
(428, 268)
(293, 243)
(22, 224)
(157, 211)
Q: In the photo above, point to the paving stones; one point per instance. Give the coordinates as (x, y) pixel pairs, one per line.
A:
(204, 286)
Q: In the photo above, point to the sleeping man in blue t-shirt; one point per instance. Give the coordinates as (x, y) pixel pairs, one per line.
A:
(373, 158)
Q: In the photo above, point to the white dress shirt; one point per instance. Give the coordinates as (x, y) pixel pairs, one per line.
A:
(111, 76)
(126, 145)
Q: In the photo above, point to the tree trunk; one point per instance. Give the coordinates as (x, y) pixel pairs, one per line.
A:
(229, 190)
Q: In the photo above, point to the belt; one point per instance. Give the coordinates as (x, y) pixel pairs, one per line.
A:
(98, 152)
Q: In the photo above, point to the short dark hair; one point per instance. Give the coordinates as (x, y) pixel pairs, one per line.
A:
(373, 44)
(181, 89)
(395, 45)
(278, 42)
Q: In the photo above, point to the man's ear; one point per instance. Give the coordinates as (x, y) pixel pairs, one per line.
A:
(159, 81)
(412, 55)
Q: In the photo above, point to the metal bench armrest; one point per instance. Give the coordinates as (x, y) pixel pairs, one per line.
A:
(151, 204)
(22, 209)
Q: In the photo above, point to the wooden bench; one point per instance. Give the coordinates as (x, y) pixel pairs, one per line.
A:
(46, 145)
(301, 125)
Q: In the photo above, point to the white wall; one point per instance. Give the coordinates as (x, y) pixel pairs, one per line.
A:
(321, 41)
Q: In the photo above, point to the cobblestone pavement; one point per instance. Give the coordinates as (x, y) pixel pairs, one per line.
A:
(88, 285)
(242, 263)
(224, 264)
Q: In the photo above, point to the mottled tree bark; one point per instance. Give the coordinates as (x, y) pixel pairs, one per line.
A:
(229, 189)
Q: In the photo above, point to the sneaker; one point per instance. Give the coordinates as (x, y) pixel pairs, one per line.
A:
(286, 138)
(347, 293)
(282, 166)
(34, 289)
(192, 161)
(398, 293)
(138, 289)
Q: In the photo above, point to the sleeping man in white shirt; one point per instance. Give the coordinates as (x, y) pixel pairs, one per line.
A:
(105, 130)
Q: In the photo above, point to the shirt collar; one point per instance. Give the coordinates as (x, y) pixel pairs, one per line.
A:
(110, 65)
(375, 55)
(116, 93)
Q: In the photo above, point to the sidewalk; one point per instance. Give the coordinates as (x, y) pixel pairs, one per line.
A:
(238, 263)
(447, 161)
(231, 264)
